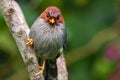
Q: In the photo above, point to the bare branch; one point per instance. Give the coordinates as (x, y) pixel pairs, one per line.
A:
(20, 30)
(62, 71)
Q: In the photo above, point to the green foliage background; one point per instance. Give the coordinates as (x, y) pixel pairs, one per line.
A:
(92, 28)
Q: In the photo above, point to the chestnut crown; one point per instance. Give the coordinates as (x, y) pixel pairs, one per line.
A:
(52, 15)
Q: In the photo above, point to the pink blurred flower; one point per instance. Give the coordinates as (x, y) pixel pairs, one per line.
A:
(112, 52)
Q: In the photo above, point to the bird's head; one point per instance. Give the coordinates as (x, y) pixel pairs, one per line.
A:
(52, 15)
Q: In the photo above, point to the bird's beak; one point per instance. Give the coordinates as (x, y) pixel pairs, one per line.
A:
(52, 20)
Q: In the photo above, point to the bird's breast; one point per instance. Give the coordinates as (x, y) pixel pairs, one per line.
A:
(47, 40)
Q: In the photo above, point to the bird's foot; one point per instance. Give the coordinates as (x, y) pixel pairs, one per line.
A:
(41, 68)
(41, 71)
(29, 42)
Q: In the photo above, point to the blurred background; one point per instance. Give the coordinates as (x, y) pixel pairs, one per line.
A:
(93, 47)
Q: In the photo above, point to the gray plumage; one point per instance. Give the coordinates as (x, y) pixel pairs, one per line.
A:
(48, 39)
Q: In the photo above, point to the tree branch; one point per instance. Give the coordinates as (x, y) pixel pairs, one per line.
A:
(62, 71)
(20, 30)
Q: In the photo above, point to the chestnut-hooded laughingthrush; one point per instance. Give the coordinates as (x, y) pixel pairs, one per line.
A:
(48, 39)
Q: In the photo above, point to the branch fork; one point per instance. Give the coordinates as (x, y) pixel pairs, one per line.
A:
(19, 29)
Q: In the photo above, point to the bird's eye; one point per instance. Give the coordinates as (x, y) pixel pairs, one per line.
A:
(47, 16)
(58, 17)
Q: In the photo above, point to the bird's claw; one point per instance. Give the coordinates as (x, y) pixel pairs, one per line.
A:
(41, 71)
(29, 42)
(41, 68)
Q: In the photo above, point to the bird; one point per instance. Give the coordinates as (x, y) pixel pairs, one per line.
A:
(48, 39)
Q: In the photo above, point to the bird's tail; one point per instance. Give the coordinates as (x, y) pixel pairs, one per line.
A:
(51, 70)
